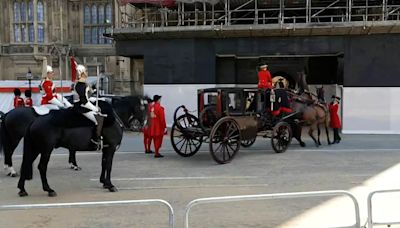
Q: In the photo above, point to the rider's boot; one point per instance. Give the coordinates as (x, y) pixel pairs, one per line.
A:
(96, 136)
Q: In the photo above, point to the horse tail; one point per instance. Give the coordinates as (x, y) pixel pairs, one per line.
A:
(27, 161)
(3, 134)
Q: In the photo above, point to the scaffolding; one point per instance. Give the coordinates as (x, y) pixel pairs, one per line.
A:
(231, 13)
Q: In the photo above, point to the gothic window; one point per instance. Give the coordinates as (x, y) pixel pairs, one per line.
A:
(40, 11)
(86, 15)
(23, 23)
(97, 18)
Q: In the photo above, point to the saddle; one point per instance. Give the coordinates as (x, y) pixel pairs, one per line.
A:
(44, 109)
(69, 118)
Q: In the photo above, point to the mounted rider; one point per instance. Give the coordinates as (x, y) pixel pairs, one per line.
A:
(49, 96)
(83, 104)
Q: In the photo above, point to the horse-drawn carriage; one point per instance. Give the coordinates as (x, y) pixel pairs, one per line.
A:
(229, 118)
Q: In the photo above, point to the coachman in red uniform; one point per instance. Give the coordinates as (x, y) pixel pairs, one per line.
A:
(145, 129)
(18, 101)
(335, 121)
(264, 78)
(28, 98)
(157, 126)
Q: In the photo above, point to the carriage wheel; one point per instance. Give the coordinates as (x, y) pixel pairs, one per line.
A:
(248, 143)
(281, 137)
(185, 141)
(208, 117)
(224, 140)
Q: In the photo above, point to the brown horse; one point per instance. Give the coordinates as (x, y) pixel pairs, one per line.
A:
(311, 114)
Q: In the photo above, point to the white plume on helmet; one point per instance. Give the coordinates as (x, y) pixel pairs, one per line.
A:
(49, 69)
(80, 69)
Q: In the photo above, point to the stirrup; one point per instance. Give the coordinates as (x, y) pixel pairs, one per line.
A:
(99, 144)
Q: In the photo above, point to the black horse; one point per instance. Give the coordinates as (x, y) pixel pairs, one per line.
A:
(73, 131)
(130, 110)
(13, 127)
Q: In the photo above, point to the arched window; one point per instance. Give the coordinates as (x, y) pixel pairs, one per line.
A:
(40, 11)
(97, 18)
(30, 10)
(94, 14)
(24, 25)
(108, 14)
(86, 15)
(23, 11)
(16, 12)
(101, 14)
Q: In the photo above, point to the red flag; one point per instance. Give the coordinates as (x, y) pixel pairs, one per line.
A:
(73, 69)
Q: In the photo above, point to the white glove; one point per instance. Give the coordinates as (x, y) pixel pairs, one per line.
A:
(93, 99)
(90, 106)
(55, 101)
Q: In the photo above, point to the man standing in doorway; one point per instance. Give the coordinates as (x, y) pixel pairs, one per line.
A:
(158, 126)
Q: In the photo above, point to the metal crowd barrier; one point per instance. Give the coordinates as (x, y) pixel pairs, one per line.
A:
(273, 196)
(370, 222)
(93, 204)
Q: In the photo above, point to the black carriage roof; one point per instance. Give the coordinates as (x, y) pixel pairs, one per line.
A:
(228, 89)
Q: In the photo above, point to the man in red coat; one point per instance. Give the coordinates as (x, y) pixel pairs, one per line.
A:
(18, 101)
(157, 126)
(28, 98)
(264, 78)
(145, 129)
(335, 121)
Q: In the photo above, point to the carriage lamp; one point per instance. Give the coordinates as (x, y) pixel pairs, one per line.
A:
(29, 77)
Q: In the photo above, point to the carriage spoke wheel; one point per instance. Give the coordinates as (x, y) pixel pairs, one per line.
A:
(248, 143)
(208, 117)
(281, 137)
(185, 137)
(224, 140)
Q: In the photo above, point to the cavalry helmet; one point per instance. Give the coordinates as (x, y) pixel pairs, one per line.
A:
(49, 69)
(80, 69)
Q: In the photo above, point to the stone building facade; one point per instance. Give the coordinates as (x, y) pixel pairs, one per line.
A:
(34, 33)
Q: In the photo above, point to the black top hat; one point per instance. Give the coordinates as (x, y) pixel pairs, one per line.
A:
(17, 92)
(156, 98)
(28, 93)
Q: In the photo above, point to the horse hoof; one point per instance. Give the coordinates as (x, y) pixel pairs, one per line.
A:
(13, 174)
(22, 193)
(302, 144)
(113, 189)
(52, 194)
(77, 168)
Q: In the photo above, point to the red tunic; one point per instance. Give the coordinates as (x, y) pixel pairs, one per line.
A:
(264, 79)
(157, 120)
(18, 102)
(47, 87)
(335, 121)
(28, 102)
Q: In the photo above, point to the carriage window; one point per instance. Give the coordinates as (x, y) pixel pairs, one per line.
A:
(234, 102)
(210, 99)
(251, 101)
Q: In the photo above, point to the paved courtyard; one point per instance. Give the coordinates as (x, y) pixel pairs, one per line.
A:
(360, 164)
